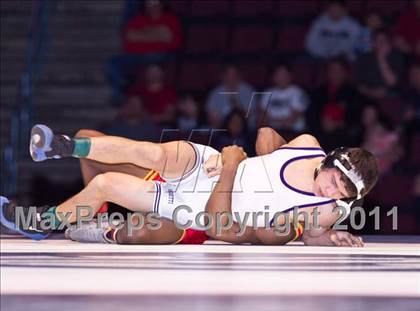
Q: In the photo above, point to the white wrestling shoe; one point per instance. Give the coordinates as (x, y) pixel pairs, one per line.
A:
(89, 232)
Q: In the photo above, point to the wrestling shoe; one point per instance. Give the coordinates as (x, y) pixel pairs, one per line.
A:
(45, 145)
(89, 232)
(32, 228)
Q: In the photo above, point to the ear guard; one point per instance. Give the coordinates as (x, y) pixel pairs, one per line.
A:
(340, 159)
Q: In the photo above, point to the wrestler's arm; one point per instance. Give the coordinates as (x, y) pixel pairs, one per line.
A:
(269, 236)
(330, 237)
(324, 235)
(268, 140)
(304, 140)
(220, 200)
(319, 236)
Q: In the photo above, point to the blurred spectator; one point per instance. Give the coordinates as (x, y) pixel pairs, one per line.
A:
(411, 114)
(148, 37)
(131, 122)
(380, 139)
(412, 96)
(379, 72)
(156, 31)
(407, 34)
(333, 132)
(416, 200)
(159, 98)
(232, 93)
(131, 8)
(283, 106)
(373, 22)
(337, 91)
(236, 132)
(188, 114)
(333, 33)
(409, 213)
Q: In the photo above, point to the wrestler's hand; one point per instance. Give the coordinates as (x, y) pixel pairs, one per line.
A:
(213, 166)
(230, 155)
(343, 238)
(233, 155)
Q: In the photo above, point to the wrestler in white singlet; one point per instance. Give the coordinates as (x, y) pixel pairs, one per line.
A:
(259, 186)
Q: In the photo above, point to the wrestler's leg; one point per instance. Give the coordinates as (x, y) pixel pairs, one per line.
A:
(126, 190)
(90, 168)
(168, 233)
(131, 192)
(140, 230)
(171, 159)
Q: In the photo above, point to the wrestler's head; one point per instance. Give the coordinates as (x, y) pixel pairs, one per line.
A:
(346, 173)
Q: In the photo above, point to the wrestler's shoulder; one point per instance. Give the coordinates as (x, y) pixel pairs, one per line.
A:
(304, 140)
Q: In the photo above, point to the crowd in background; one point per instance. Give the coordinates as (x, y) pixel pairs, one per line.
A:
(364, 67)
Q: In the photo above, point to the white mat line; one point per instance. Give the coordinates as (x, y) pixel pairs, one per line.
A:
(78, 281)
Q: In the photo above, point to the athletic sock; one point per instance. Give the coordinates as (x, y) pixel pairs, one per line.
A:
(81, 147)
(51, 214)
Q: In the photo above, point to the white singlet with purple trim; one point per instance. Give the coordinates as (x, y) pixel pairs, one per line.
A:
(260, 186)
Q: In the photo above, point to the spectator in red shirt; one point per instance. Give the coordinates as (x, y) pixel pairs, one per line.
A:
(159, 99)
(407, 34)
(148, 37)
(154, 32)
